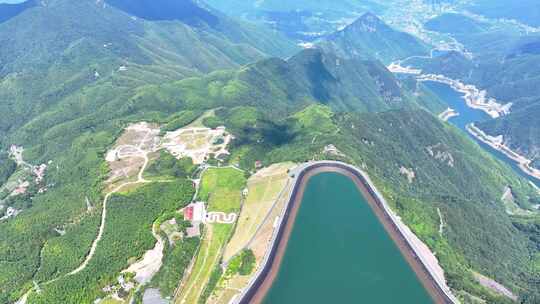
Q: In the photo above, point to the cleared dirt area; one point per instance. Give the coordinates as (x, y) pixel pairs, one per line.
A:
(127, 156)
(229, 289)
(494, 286)
(263, 239)
(264, 188)
(197, 143)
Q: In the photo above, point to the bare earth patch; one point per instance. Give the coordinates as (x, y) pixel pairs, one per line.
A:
(197, 143)
(127, 156)
(263, 189)
(494, 286)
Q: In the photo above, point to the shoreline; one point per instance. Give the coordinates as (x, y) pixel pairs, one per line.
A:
(448, 114)
(474, 97)
(432, 279)
(497, 144)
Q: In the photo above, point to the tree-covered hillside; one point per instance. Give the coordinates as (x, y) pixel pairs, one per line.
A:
(53, 52)
(452, 176)
(504, 62)
(74, 74)
(521, 131)
(370, 37)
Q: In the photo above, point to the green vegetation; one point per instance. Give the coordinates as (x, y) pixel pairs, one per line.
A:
(7, 167)
(79, 175)
(66, 252)
(68, 91)
(380, 41)
(127, 236)
(74, 85)
(316, 119)
(520, 129)
(242, 264)
(212, 283)
(212, 122)
(168, 166)
(179, 120)
(222, 189)
(502, 64)
(459, 178)
(176, 261)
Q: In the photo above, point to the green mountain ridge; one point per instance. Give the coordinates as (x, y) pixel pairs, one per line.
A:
(370, 37)
(278, 110)
(520, 131)
(90, 44)
(505, 64)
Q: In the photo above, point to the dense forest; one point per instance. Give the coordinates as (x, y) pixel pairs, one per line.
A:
(99, 70)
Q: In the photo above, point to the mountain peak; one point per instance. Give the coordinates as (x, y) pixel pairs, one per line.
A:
(368, 22)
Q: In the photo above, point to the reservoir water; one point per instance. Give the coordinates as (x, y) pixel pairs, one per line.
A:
(340, 253)
(468, 115)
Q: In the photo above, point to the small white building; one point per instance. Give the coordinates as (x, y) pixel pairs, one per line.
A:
(199, 212)
(195, 212)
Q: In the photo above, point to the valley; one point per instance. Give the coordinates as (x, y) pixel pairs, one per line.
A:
(150, 152)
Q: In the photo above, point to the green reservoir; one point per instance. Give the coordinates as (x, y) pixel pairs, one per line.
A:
(340, 253)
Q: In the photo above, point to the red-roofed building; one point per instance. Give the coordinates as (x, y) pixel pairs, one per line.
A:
(188, 213)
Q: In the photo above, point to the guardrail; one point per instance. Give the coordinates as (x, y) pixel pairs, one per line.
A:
(249, 292)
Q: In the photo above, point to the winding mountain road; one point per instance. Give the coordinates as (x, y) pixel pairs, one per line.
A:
(140, 180)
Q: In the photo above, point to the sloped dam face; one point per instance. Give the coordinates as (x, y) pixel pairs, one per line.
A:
(339, 252)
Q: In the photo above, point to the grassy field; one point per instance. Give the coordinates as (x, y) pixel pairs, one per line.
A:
(264, 188)
(222, 189)
(110, 301)
(198, 123)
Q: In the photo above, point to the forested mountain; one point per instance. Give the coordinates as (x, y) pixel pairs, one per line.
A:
(67, 72)
(520, 130)
(74, 74)
(504, 63)
(311, 76)
(61, 47)
(370, 37)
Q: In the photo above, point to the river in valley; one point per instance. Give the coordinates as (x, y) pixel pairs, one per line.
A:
(469, 115)
(339, 252)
